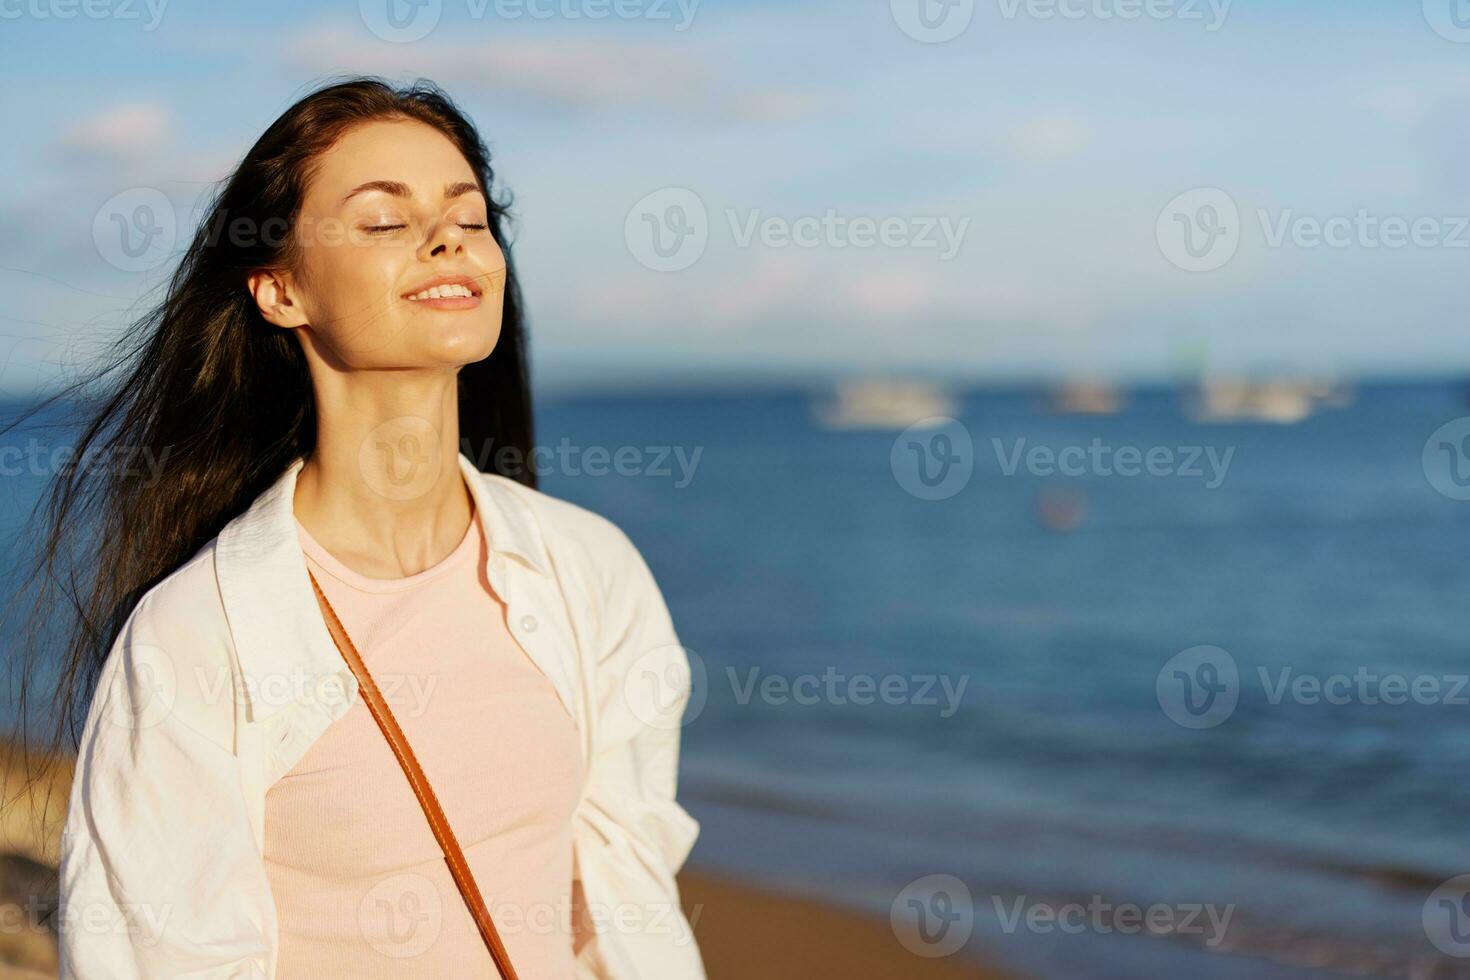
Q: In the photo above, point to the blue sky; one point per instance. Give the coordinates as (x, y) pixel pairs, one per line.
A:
(1052, 141)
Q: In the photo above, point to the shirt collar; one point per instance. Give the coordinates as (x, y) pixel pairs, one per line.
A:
(510, 526)
(281, 640)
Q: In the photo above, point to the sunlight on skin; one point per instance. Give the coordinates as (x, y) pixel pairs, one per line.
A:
(382, 491)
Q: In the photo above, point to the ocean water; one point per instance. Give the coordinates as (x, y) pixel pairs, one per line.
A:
(1024, 628)
(1057, 777)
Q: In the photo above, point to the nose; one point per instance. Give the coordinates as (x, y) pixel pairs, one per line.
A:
(444, 238)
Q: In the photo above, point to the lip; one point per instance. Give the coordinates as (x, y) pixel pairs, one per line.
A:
(472, 283)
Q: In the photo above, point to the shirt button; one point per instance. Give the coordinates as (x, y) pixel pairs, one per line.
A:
(528, 623)
(499, 561)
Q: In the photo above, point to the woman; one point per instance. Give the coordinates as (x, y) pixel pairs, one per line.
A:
(338, 357)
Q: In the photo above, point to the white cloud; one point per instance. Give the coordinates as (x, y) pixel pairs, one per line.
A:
(122, 132)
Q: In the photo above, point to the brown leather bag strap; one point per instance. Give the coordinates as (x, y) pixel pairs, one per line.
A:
(420, 783)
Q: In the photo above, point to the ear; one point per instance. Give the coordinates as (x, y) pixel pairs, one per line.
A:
(276, 297)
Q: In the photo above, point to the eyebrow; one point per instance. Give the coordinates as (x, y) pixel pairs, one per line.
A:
(399, 189)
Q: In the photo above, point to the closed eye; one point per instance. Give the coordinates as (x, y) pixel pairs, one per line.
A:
(379, 229)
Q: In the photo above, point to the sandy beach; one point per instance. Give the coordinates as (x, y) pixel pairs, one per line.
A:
(745, 933)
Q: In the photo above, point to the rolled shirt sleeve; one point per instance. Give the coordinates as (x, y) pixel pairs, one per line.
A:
(632, 836)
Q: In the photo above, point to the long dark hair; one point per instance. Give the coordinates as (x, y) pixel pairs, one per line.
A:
(218, 403)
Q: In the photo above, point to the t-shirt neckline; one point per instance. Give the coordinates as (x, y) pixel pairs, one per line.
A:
(334, 567)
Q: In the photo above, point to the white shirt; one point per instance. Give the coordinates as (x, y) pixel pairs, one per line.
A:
(224, 674)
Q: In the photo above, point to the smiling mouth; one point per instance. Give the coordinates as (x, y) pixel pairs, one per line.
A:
(451, 291)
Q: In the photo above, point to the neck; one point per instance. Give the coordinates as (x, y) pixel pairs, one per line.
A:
(382, 490)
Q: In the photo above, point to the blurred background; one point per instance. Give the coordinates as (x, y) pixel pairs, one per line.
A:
(1048, 421)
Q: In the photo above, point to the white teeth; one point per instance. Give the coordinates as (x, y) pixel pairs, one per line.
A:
(440, 292)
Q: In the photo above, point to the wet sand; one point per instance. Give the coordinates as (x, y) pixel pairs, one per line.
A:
(747, 933)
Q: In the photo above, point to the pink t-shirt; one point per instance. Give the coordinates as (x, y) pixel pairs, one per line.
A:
(360, 885)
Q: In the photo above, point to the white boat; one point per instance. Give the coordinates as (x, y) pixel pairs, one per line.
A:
(876, 403)
(1085, 398)
(1282, 401)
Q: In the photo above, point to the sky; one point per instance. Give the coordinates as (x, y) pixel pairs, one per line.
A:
(974, 189)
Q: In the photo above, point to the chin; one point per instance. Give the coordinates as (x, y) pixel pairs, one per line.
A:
(464, 346)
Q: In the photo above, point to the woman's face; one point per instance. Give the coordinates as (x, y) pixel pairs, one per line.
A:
(392, 212)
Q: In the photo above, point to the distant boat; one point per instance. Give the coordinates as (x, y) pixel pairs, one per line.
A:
(1085, 398)
(878, 403)
(1280, 401)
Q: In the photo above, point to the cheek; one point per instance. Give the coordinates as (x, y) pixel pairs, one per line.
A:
(493, 261)
(494, 290)
(354, 303)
